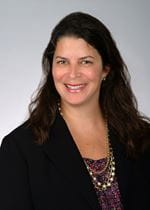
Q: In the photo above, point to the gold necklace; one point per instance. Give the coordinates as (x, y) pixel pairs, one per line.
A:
(109, 177)
(109, 169)
(109, 166)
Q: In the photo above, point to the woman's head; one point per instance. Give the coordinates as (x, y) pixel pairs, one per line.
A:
(116, 98)
(77, 71)
(90, 29)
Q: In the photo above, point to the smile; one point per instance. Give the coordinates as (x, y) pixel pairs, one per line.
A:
(75, 88)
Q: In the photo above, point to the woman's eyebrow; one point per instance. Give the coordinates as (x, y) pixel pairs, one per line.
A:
(60, 57)
(81, 58)
(85, 57)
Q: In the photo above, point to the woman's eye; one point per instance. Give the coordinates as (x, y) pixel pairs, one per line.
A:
(61, 62)
(86, 62)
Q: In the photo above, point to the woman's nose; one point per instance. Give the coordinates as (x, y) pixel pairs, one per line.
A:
(74, 71)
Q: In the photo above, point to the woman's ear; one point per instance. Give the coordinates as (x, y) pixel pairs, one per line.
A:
(106, 71)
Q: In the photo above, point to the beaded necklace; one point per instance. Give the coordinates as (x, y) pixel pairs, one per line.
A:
(109, 176)
(109, 166)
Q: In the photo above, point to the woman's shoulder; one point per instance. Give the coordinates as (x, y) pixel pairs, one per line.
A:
(21, 136)
(22, 130)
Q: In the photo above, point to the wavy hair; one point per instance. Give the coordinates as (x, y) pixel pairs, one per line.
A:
(116, 98)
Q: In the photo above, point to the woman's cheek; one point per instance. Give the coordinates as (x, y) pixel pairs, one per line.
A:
(58, 74)
(93, 74)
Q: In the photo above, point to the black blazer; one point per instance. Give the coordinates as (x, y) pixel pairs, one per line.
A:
(53, 176)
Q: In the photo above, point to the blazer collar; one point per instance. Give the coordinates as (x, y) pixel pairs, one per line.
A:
(62, 150)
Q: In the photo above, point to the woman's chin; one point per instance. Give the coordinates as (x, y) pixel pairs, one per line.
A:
(74, 101)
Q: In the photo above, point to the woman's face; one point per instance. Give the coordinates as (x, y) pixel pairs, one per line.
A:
(77, 71)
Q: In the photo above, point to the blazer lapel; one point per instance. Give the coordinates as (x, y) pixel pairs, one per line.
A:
(61, 148)
(124, 166)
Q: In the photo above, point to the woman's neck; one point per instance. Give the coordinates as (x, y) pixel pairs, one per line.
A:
(82, 114)
(88, 128)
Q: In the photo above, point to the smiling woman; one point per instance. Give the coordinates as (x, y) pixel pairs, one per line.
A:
(85, 145)
(77, 72)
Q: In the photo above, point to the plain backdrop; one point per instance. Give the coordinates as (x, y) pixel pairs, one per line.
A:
(25, 28)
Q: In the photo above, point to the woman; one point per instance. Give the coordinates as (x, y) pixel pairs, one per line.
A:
(85, 146)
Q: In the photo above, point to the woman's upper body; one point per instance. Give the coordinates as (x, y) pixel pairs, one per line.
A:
(45, 165)
(53, 175)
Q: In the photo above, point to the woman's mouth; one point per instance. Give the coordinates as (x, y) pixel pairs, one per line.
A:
(75, 87)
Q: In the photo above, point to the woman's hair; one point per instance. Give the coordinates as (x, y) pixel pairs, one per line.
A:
(116, 98)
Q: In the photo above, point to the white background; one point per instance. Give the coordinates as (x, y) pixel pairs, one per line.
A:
(25, 27)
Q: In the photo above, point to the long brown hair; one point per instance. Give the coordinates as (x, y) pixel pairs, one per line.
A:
(116, 98)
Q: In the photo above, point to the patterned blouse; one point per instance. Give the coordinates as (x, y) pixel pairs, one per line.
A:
(109, 199)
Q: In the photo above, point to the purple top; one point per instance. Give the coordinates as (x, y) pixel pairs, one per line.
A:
(109, 198)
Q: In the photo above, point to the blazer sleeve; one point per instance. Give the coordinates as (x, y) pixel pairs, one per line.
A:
(14, 184)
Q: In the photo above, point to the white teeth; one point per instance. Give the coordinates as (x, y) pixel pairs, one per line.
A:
(74, 87)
